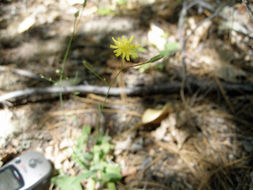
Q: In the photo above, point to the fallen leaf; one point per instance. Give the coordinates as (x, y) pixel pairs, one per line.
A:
(26, 24)
(161, 131)
(173, 127)
(155, 115)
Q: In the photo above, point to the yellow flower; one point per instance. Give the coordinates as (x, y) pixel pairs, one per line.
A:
(125, 48)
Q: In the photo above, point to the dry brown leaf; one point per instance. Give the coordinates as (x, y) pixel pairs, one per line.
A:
(162, 131)
(173, 128)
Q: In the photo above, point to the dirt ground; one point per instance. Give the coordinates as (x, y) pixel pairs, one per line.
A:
(201, 139)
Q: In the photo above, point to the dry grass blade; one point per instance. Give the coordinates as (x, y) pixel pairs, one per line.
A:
(224, 95)
(205, 182)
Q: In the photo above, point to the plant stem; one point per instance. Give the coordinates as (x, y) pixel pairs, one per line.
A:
(111, 83)
(65, 58)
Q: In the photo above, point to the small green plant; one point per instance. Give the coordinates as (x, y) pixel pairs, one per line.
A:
(91, 154)
(125, 48)
(62, 80)
(91, 151)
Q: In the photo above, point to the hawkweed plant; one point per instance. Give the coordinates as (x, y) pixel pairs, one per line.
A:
(125, 48)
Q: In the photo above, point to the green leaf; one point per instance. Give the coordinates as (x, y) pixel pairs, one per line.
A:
(122, 2)
(141, 49)
(105, 147)
(97, 166)
(82, 158)
(97, 153)
(78, 155)
(105, 11)
(66, 183)
(160, 66)
(86, 130)
(165, 35)
(90, 68)
(155, 58)
(81, 141)
(77, 14)
(169, 47)
(106, 139)
(84, 175)
(111, 186)
(84, 3)
(111, 173)
(145, 66)
(115, 170)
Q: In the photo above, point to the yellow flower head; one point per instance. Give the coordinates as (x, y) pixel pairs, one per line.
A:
(125, 48)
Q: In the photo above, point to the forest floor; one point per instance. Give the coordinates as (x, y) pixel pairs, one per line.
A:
(164, 139)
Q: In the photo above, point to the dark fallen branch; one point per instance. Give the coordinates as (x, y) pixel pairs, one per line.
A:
(168, 88)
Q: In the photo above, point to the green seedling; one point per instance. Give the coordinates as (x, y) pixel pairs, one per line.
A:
(94, 164)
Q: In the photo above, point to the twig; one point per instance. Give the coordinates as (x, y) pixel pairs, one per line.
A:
(168, 88)
(183, 44)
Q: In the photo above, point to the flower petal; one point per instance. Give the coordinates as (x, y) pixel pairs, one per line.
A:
(113, 46)
(131, 39)
(114, 40)
(117, 54)
(125, 48)
(127, 57)
(124, 38)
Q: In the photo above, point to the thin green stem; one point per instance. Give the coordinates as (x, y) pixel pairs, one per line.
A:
(110, 86)
(65, 58)
(122, 68)
(89, 67)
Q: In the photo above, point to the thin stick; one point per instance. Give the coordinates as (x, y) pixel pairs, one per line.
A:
(168, 88)
(183, 44)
